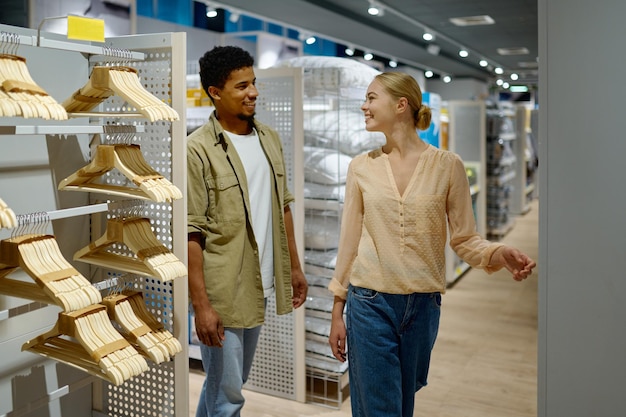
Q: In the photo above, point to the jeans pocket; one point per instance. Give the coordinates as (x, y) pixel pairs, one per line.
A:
(364, 293)
(436, 298)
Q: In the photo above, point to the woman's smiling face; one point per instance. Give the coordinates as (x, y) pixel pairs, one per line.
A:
(378, 108)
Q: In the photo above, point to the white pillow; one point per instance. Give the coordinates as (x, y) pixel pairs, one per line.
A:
(343, 72)
(325, 166)
(341, 130)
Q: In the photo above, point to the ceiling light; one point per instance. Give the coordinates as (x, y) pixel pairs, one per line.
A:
(513, 51)
(472, 20)
(211, 12)
(505, 85)
(447, 79)
(368, 56)
(393, 63)
(234, 17)
(514, 76)
(483, 63)
(498, 70)
(463, 53)
(427, 36)
(349, 50)
(499, 81)
(428, 74)
(519, 89)
(310, 40)
(375, 9)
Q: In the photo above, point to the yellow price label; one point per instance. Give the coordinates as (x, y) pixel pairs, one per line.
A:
(85, 28)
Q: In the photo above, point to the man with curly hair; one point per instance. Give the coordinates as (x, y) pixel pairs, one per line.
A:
(240, 229)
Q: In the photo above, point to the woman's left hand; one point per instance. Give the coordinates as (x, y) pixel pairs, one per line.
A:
(517, 262)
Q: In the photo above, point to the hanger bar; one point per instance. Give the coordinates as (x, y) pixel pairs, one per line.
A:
(100, 51)
(104, 114)
(67, 130)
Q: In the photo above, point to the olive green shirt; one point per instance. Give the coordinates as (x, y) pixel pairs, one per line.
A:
(218, 207)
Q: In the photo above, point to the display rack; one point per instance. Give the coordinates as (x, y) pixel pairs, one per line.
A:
(334, 133)
(501, 169)
(36, 155)
(465, 122)
(526, 170)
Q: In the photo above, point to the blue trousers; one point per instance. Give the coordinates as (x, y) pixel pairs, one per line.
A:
(227, 369)
(390, 339)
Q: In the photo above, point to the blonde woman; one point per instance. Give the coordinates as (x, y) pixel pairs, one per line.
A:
(400, 201)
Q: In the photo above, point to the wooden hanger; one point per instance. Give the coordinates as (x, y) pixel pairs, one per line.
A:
(21, 96)
(138, 305)
(7, 216)
(124, 82)
(95, 346)
(128, 159)
(152, 257)
(57, 281)
(151, 340)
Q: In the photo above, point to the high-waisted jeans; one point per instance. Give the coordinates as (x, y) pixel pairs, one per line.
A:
(390, 339)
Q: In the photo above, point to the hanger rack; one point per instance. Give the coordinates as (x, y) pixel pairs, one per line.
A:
(128, 159)
(21, 96)
(96, 346)
(152, 257)
(140, 328)
(57, 281)
(122, 81)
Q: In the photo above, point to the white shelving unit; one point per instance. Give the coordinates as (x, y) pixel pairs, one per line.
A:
(466, 137)
(502, 165)
(36, 155)
(525, 173)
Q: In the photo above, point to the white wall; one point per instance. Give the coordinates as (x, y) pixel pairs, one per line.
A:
(582, 238)
(459, 89)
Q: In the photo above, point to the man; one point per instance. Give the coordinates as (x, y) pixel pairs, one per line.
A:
(240, 230)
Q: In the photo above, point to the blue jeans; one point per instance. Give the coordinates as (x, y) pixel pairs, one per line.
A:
(227, 369)
(390, 338)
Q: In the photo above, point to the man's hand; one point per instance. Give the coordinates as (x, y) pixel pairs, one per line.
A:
(209, 327)
(299, 287)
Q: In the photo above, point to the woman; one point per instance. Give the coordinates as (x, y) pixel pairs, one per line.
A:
(390, 273)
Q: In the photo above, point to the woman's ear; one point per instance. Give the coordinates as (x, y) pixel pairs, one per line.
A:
(402, 104)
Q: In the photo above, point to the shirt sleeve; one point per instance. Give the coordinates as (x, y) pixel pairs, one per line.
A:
(351, 227)
(197, 195)
(464, 239)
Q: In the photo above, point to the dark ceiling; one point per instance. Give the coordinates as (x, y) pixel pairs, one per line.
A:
(398, 32)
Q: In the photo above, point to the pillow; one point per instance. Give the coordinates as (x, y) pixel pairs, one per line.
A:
(325, 166)
(341, 130)
(321, 229)
(331, 72)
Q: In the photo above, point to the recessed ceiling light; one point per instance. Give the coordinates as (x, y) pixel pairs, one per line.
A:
(528, 64)
(472, 20)
(519, 88)
(520, 50)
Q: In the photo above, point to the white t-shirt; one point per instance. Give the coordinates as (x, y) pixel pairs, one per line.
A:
(260, 193)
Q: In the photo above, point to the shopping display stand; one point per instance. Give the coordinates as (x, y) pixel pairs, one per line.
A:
(37, 154)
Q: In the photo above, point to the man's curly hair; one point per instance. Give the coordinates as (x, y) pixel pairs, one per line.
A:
(217, 64)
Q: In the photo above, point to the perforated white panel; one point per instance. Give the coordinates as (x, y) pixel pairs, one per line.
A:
(274, 368)
(153, 392)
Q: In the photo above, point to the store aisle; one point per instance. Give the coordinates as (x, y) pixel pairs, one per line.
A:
(485, 359)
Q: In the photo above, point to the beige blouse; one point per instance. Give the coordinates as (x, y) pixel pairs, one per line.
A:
(396, 244)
